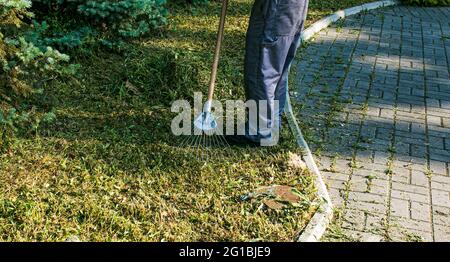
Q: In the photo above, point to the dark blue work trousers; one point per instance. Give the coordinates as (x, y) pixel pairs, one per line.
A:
(273, 37)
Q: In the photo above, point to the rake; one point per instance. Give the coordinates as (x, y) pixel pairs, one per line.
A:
(205, 134)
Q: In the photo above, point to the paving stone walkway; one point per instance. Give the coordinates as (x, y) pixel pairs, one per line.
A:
(373, 94)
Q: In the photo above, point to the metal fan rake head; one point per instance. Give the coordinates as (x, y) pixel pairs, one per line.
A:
(206, 122)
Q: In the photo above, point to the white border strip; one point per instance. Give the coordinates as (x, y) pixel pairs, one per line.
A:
(319, 222)
(327, 21)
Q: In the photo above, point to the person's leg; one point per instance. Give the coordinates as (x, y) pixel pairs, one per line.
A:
(282, 88)
(273, 28)
(253, 46)
(254, 85)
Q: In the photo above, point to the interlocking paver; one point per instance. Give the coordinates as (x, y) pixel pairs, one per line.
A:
(375, 94)
(420, 211)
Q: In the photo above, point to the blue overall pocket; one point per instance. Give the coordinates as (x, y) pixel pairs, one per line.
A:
(270, 11)
(282, 18)
(289, 16)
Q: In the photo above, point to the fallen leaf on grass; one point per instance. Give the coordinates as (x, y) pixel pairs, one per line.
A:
(275, 197)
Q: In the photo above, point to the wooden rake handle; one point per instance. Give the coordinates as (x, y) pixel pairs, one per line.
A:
(220, 33)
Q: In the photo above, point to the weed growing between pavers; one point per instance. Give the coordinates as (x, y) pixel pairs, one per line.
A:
(337, 101)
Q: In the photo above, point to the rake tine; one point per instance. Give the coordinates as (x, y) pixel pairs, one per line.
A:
(185, 141)
(196, 145)
(202, 147)
(214, 139)
(208, 148)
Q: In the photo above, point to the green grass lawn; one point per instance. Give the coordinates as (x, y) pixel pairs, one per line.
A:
(109, 168)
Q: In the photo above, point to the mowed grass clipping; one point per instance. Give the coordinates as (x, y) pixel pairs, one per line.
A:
(109, 168)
